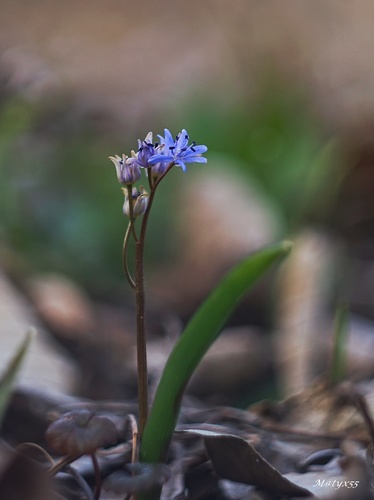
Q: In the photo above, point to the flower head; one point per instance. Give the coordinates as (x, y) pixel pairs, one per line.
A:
(128, 171)
(146, 150)
(139, 201)
(177, 151)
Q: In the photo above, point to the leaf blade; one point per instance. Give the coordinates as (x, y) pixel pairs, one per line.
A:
(199, 334)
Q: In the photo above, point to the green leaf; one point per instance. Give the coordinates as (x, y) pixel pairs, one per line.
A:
(11, 371)
(198, 336)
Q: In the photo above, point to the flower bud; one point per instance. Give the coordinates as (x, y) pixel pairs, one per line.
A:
(139, 201)
(145, 151)
(128, 171)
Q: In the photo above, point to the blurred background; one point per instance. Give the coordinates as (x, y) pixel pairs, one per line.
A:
(282, 93)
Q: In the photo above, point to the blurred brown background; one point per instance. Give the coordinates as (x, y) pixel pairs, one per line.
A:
(129, 58)
(282, 93)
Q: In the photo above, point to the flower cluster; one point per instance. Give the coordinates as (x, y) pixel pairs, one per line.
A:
(157, 159)
(177, 151)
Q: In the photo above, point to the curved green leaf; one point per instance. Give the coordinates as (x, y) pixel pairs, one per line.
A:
(199, 334)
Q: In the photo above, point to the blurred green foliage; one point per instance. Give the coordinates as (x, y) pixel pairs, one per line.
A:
(280, 143)
(61, 205)
(49, 188)
(60, 202)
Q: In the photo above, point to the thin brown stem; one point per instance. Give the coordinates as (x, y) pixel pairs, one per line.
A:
(141, 336)
(168, 168)
(140, 309)
(150, 179)
(150, 202)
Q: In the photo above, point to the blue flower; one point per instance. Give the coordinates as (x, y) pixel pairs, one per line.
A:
(146, 150)
(128, 172)
(177, 151)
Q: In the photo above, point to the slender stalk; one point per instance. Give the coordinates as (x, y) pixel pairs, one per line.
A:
(140, 311)
(168, 168)
(155, 185)
(131, 210)
(150, 179)
(140, 323)
(124, 257)
(141, 335)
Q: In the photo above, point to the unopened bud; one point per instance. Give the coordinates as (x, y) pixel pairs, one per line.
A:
(128, 171)
(139, 200)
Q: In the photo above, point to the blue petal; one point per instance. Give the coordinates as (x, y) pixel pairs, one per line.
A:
(199, 149)
(160, 158)
(195, 159)
(182, 141)
(181, 164)
(169, 140)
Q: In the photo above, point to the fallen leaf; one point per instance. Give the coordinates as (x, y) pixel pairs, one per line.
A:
(235, 459)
